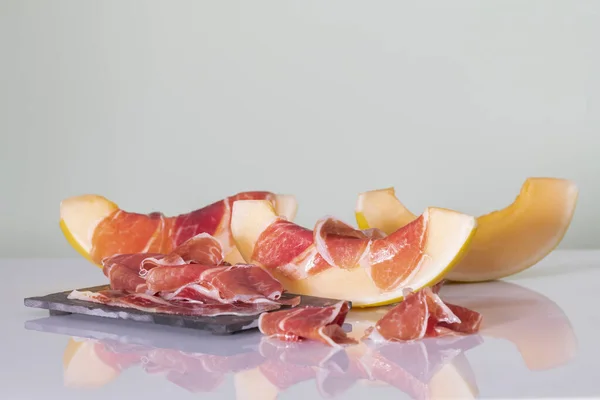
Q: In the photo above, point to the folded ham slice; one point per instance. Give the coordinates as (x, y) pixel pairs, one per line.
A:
(322, 324)
(154, 304)
(192, 279)
(423, 314)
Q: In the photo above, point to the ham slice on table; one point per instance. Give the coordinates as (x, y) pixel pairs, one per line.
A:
(192, 279)
(322, 324)
(423, 314)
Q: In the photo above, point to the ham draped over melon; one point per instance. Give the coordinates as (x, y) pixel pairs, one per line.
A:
(98, 228)
(180, 265)
(299, 252)
(156, 233)
(335, 260)
(192, 279)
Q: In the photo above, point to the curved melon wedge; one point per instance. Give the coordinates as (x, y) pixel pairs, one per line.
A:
(507, 241)
(447, 234)
(79, 216)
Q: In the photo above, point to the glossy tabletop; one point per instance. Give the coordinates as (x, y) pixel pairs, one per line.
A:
(539, 339)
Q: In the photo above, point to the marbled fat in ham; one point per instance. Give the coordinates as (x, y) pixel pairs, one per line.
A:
(322, 324)
(424, 314)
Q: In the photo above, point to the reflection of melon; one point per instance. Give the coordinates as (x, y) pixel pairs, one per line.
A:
(507, 241)
(83, 368)
(446, 235)
(251, 384)
(97, 228)
(451, 382)
(536, 325)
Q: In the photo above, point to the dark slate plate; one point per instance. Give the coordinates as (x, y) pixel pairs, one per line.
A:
(59, 304)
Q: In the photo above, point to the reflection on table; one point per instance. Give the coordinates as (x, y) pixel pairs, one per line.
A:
(99, 350)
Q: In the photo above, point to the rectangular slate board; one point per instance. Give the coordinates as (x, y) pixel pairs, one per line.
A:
(59, 304)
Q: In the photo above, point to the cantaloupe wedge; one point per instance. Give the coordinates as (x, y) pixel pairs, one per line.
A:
(82, 368)
(507, 241)
(447, 234)
(96, 227)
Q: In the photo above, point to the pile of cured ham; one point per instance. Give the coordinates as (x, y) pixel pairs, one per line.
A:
(194, 279)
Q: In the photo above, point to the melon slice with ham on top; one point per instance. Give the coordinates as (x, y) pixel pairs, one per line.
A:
(97, 228)
(334, 260)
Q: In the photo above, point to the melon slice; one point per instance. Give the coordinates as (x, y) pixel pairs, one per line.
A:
(96, 227)
(507, 241)
(82, 368)
(446, 236)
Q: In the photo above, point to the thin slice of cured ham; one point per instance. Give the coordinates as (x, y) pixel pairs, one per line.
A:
(200, 249)
(423, 314)
(123, 271)
(154, 304)
(192, 280)
(322, 324)
(297, 252)
(193, 271)
(222, 284)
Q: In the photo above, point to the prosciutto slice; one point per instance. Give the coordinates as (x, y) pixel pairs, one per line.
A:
(222, 284)
(154, 304)
(423, 314)
(191, 280)
(322, 324)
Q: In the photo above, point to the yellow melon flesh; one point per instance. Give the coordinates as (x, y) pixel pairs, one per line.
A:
(448, 233)
(80, 215)
(382, 209)
(82, 368)
(507, 241)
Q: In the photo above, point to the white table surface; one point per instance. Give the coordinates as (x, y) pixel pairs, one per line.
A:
(539, 339)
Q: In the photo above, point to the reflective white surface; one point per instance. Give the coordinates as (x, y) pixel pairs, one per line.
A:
(539, 339)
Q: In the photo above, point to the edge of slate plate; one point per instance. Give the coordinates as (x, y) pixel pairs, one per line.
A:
(59, 304)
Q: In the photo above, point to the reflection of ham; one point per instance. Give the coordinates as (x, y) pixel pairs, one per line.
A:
(411, 366)
(332, 382)
(423, 314)
(323, 324)
(192, 280)
(194, 372)
(307, 353)
(283, 375)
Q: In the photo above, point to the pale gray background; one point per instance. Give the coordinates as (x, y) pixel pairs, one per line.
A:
(172, 105)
